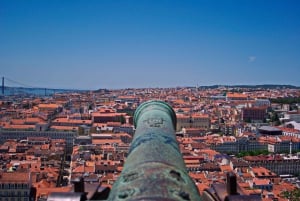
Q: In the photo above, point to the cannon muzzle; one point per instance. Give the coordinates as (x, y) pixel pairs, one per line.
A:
(154, 168)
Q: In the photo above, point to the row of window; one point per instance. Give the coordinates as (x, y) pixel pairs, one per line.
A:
(14, 193)
(13, 186)
(34, 134)
(14, 199)
(194, 121)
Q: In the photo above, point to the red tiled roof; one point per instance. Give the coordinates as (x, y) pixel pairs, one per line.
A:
(236, 95)
(15, 177)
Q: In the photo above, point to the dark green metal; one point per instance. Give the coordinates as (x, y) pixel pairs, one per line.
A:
(154, 168)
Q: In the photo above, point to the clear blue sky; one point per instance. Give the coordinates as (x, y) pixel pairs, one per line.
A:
(93, 44)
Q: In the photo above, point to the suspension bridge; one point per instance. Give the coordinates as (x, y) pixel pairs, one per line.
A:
(13, 87)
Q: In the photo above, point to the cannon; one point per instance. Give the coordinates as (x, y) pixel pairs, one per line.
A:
(154, 168)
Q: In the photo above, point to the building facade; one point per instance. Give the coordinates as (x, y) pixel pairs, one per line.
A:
(16, 186)
(192, 121)
(254, 114)
(68, 136)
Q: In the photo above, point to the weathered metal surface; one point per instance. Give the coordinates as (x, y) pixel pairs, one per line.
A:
(154, 169)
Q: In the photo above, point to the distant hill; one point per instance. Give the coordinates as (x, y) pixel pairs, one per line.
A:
(263, 86)
(101, 91)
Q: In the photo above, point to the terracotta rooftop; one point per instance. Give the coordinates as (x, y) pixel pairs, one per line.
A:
(236, 95)
(14, 177)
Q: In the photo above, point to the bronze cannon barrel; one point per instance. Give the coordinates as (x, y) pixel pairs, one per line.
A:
(154, 168)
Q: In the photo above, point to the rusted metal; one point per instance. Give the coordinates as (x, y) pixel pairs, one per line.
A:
(154, 168)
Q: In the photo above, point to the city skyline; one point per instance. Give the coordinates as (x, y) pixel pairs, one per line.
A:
(136, 44)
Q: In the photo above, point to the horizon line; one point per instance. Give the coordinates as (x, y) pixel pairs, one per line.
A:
(157, 87)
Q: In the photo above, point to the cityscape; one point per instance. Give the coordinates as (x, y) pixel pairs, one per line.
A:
(48, 142)
(131, 100)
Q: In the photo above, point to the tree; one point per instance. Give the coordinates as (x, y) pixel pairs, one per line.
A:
(275, 119)
(252, 153)
(248, 120)
(293, 195)
(122, 119)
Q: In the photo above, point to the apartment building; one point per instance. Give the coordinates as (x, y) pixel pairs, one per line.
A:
(276, 163)
(16, 186)
(68, 136)
(192, 121)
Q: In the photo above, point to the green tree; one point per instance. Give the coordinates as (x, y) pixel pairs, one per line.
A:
(275, 118)
(122, 119)
(248, 120)
(291, 195)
